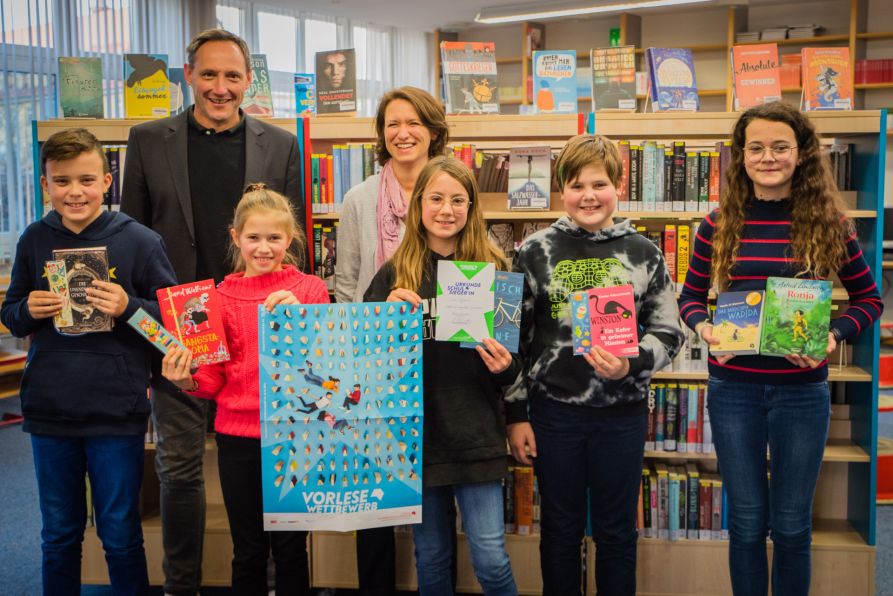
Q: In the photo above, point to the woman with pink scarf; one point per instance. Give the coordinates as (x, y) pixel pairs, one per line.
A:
(410, 129)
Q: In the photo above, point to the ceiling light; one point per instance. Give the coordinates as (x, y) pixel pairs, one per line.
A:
(524, 12)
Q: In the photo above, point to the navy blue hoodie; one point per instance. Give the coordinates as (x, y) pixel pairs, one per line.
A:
(91, 384)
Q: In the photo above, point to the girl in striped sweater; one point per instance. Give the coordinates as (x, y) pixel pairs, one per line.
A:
(780, 216)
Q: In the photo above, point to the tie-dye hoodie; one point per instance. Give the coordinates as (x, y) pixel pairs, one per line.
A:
(565, 258)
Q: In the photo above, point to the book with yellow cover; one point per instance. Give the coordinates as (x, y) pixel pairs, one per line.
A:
(827, 79)
(146, 86)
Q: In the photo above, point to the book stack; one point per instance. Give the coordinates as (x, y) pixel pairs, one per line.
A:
(789, 71)
(682, 502)
(747, 37)
(678, 420)
(521, 501)
(774, 34)
(804, 31)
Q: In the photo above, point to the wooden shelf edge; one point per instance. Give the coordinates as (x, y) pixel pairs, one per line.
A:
(836, 451)
(846, 373)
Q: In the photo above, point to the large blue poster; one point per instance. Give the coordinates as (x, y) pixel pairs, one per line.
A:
(341, 415)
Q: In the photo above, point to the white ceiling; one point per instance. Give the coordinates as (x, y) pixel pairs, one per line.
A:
(432, 14)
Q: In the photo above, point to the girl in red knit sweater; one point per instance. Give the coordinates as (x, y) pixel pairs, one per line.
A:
(266, 244)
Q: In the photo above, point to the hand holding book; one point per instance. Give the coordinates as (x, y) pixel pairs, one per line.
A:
(107, 297)
(606, 364)
(176, 367)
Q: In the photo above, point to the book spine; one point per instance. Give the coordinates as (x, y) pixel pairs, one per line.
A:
(678, 194)
(640, 180)
(659, 180)
(682, 417)
(660, 393)
(356, 163)
(336, 178)
(634, 151)
(330, 183)
(317, 248)
(673, 510)
(670, 249)
(368, 160)
(714, 182)
(694, 489)
(663, 502)
(705, 508)
(314, 183)
(683, 502)
(724, 532)
(683, 252)
(672, 417)
(692, 431)
(707, 442)
(508, 491)
(623, 194)
(716, 511)
(691, 181)
(645, 509)
(699, 441)
(703, 181)
(649, 189)
(651, 428)
(524, 500)
(653, 501)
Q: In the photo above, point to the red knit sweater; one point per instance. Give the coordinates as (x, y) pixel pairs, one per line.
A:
(235, 384)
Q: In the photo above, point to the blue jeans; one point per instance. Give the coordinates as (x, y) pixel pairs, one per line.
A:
(793, 420)
(482, 518)
(115, 466)
(582, 455)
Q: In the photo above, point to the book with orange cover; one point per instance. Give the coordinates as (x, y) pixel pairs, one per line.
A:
(523, 477)
(755, 72)
(191, 312)
(827, 79)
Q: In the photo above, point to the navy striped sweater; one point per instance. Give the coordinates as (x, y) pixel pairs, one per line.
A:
(765, 252)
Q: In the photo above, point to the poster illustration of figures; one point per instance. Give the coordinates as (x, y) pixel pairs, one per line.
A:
(341, 415)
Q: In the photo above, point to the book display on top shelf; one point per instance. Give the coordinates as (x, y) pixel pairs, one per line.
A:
(258, 99)
(755, 75)
(529, 177)
(613, 78)
(305, 94)
(146, 92)
(469, 77)
(555, 81)
(336, 82)
(827, 79)
(80, 87)
(671, 75)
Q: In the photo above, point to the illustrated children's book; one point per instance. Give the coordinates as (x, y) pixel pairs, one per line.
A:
(80, 87)
(192, 313)
(605, 317)
(756, 75)
(465, 301)
(797, 317)
(737, 322)
(146, 325)
(555, 81)
(671, 74)
(613, 78)
(82, 267)
(305, 94)
(529, 180)
(58, 282)
(341, 412)
(146, 86)
(336, 82)
(508, 292)
(258, 100)
(469, 77)
(827, 79)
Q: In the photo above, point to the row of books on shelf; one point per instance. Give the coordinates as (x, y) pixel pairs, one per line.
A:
(678, 419)
(679, 502)
(878, 70)
(332, 175)
(779, 33)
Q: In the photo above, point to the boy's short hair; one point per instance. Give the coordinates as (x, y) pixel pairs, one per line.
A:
(68, 144)
(588, 150)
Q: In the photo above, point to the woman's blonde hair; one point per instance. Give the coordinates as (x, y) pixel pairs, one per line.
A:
(819, 228)
(260, 199)
(473, 244)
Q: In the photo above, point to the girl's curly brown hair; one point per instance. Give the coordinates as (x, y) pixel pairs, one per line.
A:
(819, 226)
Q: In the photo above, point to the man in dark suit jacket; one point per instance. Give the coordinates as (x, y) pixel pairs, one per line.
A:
(183, 177)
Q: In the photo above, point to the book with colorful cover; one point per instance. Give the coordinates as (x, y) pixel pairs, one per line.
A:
(465, 301)
(153, 331)
(258, 100)
(469, 77)
(671, 73)
(756, 75)
(737, 322)
(797, 317)
(827, 79)
(336, 82)
(529, 179)
(57, 278)
(613, 78)
(181, 92)
(82, 267)
(80, 87)
(605, 317)
(146, 86)
(507, 292)
(305, 93)
(192, 313)
(555, 81)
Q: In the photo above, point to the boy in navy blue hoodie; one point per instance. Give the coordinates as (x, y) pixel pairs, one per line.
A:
(84, 397)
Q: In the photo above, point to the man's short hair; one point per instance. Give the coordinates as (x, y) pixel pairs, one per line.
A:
(217, 35)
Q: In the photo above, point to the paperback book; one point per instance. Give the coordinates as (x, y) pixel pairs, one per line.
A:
(797, 317)
(737, 322)
(507, 292)
(181, 92)
(469, 77)
(756, 75)
(555, 81)
(58, 282)
(465, 301)
(305, 94)
(258, 100)
(336, 82)
(827, 80)
(605, 317)
(146, 325)
(146, 86)
(671, 73)
(80, 87)
(613, 78)
(192, 313)
(529, 177)
(82, 267)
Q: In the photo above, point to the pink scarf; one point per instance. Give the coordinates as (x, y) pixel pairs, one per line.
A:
(392, 206)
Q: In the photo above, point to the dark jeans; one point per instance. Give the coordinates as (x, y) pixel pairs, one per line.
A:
(793, 421)
(115, 466)
(239, 459)
(181, 423)
(581, 455)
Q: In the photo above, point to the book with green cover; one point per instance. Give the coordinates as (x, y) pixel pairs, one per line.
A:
(80, 87)
(258, 100)
(796, 318)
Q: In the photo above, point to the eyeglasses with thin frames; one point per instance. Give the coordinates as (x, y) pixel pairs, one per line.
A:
(458, 204)
(755, 153)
